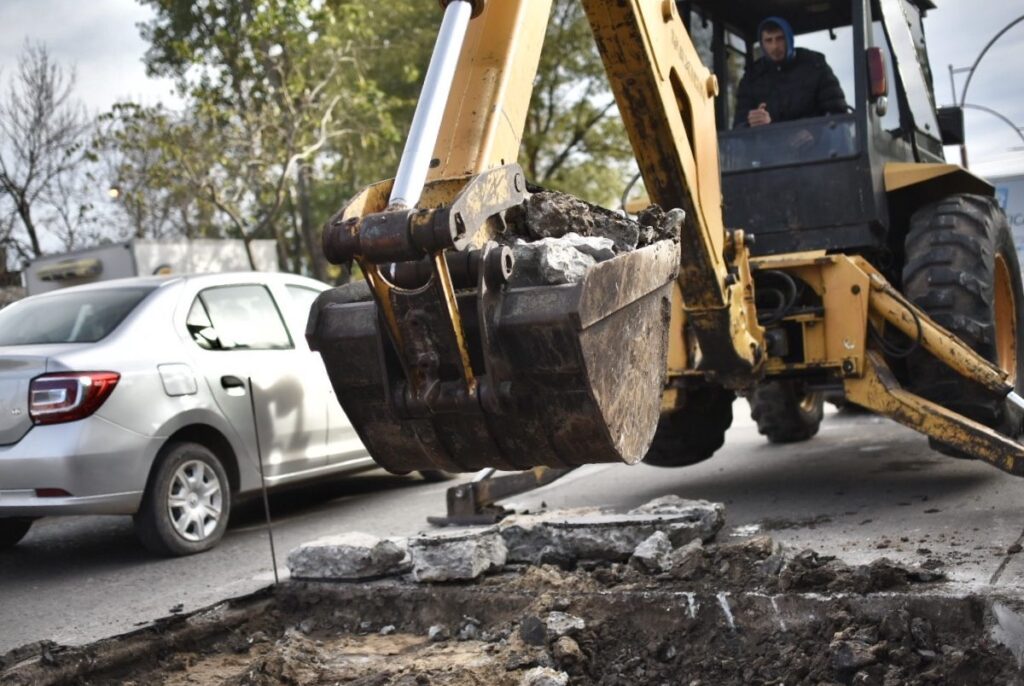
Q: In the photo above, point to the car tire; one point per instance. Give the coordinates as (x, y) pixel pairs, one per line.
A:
(436, 476)
(12, 530)
(187, 502)
(785, 412)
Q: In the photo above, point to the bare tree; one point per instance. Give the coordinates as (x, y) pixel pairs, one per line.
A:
(42, 136)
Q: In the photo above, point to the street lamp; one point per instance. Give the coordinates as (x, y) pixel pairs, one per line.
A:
(970, 75)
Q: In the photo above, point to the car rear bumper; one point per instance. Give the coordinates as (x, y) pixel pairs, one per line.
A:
(25, 503)
(93, 466)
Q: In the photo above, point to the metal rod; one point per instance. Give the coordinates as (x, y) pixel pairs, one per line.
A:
(426, 122)
(263, 480)
(1015, 399)
(977, 61)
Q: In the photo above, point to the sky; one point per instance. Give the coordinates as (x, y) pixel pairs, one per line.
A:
(101, 40)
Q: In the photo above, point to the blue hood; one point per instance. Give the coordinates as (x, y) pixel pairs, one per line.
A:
(786, 29)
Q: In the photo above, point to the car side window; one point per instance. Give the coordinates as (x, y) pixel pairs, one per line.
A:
(239, 318)
(302, 299)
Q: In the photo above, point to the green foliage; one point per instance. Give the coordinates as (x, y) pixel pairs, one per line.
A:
(574, 139)
(271, 87)
(327, 88)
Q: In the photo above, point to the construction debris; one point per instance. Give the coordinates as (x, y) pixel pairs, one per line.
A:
(349, 556)
(556, 537)
(454, 555)
(663, 604)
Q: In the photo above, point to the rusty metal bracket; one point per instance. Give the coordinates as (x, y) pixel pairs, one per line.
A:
(409, 234)
(474, 502)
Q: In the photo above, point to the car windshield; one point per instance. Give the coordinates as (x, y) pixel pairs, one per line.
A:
(71, 317)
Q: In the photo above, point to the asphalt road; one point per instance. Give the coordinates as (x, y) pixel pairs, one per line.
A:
(862, 489)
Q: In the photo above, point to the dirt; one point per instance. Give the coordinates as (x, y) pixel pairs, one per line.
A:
(739, 613)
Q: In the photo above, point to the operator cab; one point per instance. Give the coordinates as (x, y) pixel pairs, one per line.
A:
(817, 183)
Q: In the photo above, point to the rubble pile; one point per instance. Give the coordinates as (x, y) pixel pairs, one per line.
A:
(556, 237)
(570, 597)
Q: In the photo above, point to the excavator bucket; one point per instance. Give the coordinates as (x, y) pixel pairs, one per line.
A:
(451, 356)
(556, 375)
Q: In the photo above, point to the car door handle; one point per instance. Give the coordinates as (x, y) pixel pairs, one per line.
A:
(229, 382)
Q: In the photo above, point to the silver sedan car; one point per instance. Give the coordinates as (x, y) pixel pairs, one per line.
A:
(154, 396)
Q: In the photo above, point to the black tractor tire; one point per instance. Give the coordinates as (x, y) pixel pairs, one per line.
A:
(694, 429)
(785, 412)
(159, 522)
(962, 270)
(12, 530)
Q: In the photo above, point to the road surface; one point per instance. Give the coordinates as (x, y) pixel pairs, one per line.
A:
(862, 489)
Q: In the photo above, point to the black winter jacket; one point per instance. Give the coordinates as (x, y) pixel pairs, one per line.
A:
(802, 87)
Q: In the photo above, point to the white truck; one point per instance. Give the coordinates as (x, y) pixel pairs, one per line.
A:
(141, 257)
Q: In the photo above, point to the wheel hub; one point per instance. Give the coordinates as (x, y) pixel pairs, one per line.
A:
(194, 500)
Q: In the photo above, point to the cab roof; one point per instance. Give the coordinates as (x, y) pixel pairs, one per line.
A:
(805, 16)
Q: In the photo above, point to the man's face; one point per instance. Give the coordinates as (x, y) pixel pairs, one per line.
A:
(773, 42)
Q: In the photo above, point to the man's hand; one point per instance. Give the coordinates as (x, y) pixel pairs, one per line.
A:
(760, 116)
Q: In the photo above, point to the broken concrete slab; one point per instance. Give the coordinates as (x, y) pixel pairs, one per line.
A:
(654, 554)
(675, 505)
(456, 555)
(558, 538)
(553, 261)
(349, 556)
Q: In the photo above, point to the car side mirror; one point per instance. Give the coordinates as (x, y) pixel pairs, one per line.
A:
(951, 125)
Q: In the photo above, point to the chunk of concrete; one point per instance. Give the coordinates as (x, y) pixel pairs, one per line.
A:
(544, 676)
(567, 650)
(654, 554)
(550, 261)
(552, 214)
(686, 561)
(349, 556)
(563, 624)
(848, 656)
(532, 631)
(556, 537)
(674, 505)
(456, 555)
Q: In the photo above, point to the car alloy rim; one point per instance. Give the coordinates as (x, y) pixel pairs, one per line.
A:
(194, 500)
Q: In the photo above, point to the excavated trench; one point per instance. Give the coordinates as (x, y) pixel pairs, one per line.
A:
(739, 613)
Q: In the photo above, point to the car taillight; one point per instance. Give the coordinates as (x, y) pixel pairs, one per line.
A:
(67, 396)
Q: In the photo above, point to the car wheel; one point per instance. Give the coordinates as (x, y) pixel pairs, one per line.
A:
(12, 530)
(435, 476)
(187, 503)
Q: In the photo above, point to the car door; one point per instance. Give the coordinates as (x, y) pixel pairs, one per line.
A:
(343, 444)
(242, 342)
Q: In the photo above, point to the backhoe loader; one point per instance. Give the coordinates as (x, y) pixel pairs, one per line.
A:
(878, 270)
